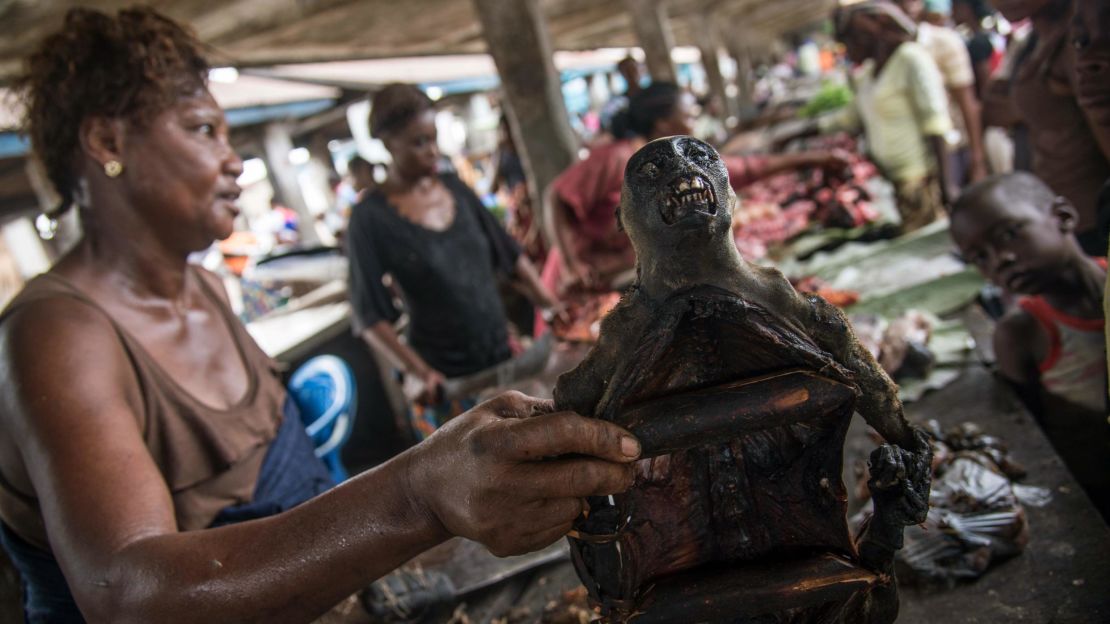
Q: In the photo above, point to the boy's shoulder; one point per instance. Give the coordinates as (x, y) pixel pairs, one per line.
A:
(1020, 345)
(1018, 323)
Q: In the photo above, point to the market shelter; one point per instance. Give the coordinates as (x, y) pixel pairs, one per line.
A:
(263, 33)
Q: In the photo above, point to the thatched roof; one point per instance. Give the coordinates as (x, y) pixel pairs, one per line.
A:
(269, 32)
(271, 35)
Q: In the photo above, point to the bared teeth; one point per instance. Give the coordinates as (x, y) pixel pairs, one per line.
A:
(689, 194)
(691, 197)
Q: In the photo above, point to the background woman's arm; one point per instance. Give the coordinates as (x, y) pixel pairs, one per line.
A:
(529, 283)
(384, 339)
(972, 112)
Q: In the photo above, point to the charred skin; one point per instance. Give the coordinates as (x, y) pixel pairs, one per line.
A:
(676, 208)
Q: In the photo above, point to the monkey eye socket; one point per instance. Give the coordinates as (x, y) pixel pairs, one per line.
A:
(649, 170)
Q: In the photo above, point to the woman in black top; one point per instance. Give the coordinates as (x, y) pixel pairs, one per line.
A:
(432, 235)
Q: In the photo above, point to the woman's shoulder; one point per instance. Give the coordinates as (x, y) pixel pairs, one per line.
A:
(57, 343)
(914, 61)
(51, 303)
(467, 202)
(605, 162)
(42, 294)
(913, 52)
(370, 209)
(615, 150)
(370, 202)
(456, 185)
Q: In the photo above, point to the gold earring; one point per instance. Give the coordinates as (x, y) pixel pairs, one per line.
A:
(113, 168)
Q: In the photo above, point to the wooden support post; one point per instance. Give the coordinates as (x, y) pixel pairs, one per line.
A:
(521, 48)
(318, 148)
(653, 30)
(277, 143)
(741, 53)
(710, 59)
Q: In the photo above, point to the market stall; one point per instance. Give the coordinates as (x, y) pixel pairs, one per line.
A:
(1056, 575)
(513, 94)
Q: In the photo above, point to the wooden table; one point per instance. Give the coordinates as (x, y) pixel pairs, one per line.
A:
(1061, 577)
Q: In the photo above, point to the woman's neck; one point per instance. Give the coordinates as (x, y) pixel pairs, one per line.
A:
(145, 269)
(399, 182)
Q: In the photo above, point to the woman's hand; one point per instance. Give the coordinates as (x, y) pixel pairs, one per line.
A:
(581, 277)
(555, 313)
(978, 170)
(837, 160)
(424, 386)
(512, 474)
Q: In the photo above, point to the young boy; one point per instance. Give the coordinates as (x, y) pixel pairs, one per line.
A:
(1021, 236)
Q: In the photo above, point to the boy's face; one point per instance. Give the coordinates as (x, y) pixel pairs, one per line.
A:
(1015, 244)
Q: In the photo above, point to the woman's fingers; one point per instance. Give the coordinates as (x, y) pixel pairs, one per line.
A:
(512, 474)
(545, 524)
(566, 433)
(577, 478)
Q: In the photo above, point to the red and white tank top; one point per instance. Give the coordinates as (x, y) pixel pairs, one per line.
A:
(1075, 366)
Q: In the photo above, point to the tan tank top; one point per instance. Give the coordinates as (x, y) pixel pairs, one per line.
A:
(210, 458)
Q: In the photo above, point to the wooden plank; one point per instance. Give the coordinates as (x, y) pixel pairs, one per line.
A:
(265, 32)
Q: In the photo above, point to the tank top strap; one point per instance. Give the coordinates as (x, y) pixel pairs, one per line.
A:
(49, 286)
(1046, 315)
(249, 349)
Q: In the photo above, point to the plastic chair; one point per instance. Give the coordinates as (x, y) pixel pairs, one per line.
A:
(324, 390)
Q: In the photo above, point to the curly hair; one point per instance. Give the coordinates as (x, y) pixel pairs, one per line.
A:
(395, 106)
(132, 66)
